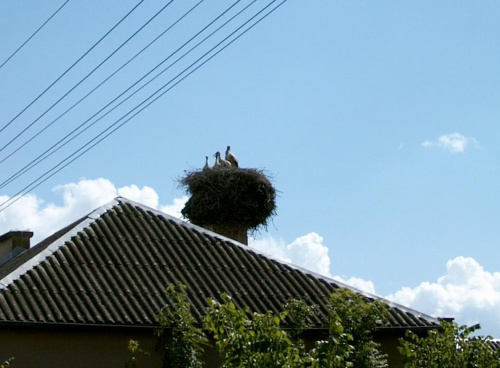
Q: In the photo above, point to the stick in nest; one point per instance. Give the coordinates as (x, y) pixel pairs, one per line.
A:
(232, 197)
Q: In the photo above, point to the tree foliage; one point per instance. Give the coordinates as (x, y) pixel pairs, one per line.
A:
(182, 340)
(352, 321)
(7, 363)
(251, 340)
(453, 347)
(134, 348)
(246, 339)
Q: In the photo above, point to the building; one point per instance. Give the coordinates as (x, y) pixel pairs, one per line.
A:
(76, 298)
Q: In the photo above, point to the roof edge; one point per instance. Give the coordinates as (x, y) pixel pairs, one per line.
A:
(55, 244)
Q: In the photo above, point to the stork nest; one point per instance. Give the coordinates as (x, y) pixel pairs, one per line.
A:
(229, 197)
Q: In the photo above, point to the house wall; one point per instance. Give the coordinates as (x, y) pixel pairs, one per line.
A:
(98, 347)
(90, 347)
(389, 342)
(40, 348)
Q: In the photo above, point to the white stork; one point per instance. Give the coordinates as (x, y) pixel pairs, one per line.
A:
(231, 157)
(207, 165)
(221, 161)
(217, 164)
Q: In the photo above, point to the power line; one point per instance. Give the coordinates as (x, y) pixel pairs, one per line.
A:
(95, 88)
(88, 75)
(33, 35)
(71, 67)
(41, 179)
(47, 152)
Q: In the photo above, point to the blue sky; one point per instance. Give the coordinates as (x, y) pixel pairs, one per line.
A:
(378, 121)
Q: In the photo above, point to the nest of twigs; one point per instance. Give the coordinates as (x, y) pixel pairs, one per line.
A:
(230, 197)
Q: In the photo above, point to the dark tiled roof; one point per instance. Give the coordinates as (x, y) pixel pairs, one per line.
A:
(494, 344)
(112, 267)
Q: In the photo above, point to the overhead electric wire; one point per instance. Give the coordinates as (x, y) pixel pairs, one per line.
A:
(41, 179)
(47, 152)
(71, 67)
(16, 197)
(88, 75)
(99, 85)
(33, 35)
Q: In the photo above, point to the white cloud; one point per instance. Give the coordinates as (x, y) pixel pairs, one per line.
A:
(309, 252)
(176, 207)
(146, 195)
(31, 213)
(466, 292)
(274, 247)
(454, 142)
(306, 251)
(358, 283)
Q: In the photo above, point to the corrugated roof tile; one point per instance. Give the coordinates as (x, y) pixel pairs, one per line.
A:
(112, 267)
